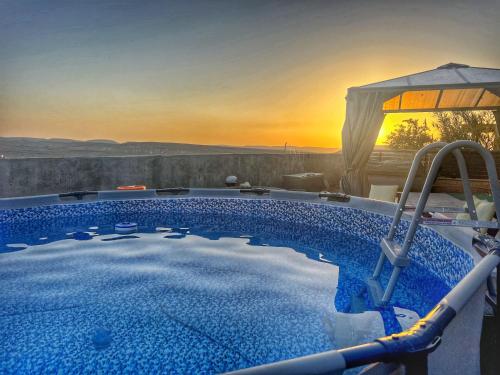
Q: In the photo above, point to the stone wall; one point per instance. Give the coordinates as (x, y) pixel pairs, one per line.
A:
(33, 176)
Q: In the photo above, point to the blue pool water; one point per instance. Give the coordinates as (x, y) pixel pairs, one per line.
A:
(188, 293)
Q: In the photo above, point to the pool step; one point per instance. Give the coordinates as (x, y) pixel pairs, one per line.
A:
(394, 253)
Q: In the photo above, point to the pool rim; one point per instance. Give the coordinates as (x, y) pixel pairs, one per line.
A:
(460, 237)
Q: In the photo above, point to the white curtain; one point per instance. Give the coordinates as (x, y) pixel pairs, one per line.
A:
(364, 117)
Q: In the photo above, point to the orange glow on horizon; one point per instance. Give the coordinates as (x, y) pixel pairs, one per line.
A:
(312, 114)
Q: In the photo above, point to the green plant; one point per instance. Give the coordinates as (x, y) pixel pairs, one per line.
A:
(410, 135)
(477, 126)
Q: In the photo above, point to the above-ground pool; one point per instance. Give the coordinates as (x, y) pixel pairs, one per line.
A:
(205, 284)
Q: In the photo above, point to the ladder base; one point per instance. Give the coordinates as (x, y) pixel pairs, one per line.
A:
(375, 291)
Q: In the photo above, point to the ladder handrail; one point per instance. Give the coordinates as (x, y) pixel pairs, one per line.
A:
(431, 176)
(409, 183)
(462, 166)
(398, 256)
(411, 178)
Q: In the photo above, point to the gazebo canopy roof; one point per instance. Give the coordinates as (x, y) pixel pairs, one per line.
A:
(450, 87)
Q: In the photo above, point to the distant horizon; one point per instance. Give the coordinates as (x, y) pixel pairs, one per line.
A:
(163, 142)
(226, 72)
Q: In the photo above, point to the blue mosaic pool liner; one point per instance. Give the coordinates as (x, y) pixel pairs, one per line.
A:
(430, 249)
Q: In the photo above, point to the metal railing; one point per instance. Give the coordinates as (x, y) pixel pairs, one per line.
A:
(398, 254)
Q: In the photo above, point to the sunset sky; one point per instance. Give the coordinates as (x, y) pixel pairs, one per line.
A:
(220, 72)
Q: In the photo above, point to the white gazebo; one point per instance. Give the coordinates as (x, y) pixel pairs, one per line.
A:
(450, 87)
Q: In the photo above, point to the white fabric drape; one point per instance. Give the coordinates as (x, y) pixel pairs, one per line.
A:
(364, 117)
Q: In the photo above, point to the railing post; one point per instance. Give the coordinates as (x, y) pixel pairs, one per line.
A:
(408, 184)
(402, 200)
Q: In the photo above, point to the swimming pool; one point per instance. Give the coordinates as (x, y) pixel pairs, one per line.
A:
(207, 284)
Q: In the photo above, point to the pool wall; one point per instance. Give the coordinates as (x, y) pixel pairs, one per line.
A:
(445, 255)
(29, 176)
(435, 253)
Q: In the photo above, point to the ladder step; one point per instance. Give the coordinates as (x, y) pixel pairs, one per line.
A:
(392, 251)
(460, 223)
(375, 291)
(444, 210)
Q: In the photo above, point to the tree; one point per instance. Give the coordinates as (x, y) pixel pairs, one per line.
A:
(410, 135)
(477, 126)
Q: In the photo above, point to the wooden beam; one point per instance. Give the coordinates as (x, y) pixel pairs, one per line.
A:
(428, 87)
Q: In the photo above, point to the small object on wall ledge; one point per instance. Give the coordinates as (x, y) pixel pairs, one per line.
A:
(131, 187)
(305, 182)
(231, 181)
(245, 185)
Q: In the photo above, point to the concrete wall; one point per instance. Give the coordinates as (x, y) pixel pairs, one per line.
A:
(33, 176)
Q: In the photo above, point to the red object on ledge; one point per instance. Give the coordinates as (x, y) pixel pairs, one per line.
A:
(132, 187)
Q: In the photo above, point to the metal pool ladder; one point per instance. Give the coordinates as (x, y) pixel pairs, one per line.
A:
(398, 254)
